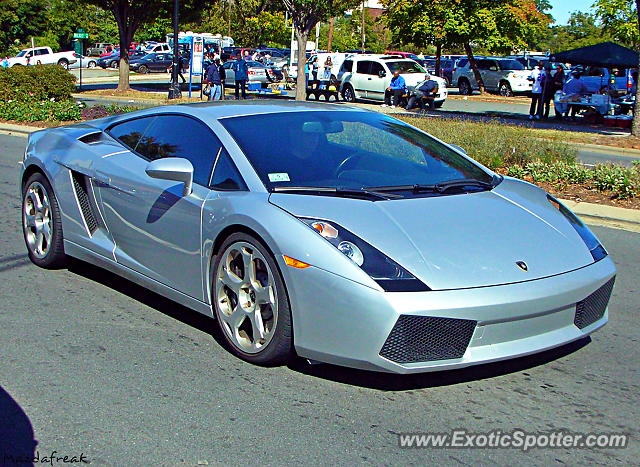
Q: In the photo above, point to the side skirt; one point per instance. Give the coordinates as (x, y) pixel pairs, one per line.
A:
(82, 253)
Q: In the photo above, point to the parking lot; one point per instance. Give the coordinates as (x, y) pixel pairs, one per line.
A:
(94, 364)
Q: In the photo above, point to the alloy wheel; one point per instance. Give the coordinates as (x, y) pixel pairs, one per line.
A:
(37, 220)
(246, 296)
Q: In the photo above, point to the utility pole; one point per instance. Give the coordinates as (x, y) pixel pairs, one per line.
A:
(174, 89)
(229, 29)
(363, 33)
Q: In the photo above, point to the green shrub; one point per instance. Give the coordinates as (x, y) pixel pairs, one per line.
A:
(35, 83)
(45, 110)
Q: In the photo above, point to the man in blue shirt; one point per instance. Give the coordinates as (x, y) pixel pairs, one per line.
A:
(574, 86)
(241, 71)
(396, 88)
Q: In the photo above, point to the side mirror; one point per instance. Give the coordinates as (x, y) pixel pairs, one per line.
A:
(172, 168)
(458, 148)
(382, 73)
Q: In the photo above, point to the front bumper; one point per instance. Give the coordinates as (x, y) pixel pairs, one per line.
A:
(340, 321)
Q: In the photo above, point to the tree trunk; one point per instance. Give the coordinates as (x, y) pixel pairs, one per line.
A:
(125, 33)
(635, 126)
(474, 66)
(301, 80)
(438, 54)
(330, 39)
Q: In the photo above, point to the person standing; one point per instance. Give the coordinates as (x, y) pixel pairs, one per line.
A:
(557, 83)
(396, 88)
(223, 75)
(314, 71)
(213, 78)
(536, 93)
(241, 71)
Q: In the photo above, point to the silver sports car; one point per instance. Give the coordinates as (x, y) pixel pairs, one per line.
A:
(333, 233)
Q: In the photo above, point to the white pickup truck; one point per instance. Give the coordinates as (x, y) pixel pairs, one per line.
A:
(42, 56)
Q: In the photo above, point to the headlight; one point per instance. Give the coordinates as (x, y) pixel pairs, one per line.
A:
(595, 248)
(387, 273)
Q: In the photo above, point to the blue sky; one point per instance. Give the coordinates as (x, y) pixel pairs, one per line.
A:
(562, 8)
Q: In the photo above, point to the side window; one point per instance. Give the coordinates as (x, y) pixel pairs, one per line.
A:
(181, 136)
(363, 67)
(376, 68)
(130, 132)
(483, 64)
(226, 175)
(347, 66)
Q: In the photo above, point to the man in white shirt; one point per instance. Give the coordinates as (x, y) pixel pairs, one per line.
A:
(536, 93)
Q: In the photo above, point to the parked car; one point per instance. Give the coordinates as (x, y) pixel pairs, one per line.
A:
(42, 56)
(84, 62)
(337, 58)
(158, 62)
(113, 60)
(410, 55)
(596, 78)
(100, 49)
(320, 231)
(368, 76)
(157, 48)
(502, 75)
(258, 73)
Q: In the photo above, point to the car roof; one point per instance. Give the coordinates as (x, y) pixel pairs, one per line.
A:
(209, 112)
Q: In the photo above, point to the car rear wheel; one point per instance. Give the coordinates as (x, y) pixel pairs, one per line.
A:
(91, 64)
(250, 301)
(505, 89)
(63, 63)
(143, 69)
(437, 105)
(464, 87)
(41, 223)
(348, 94)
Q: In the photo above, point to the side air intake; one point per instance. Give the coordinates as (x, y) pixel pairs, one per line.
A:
(86, 207)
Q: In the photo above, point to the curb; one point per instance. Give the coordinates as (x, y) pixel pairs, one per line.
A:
(610, 216)
(629, 152)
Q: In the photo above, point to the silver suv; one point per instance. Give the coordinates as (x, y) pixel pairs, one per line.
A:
(502, 75)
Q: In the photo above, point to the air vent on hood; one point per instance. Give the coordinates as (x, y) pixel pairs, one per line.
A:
(91, 138)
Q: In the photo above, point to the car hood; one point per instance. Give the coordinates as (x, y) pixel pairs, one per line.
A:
(459, 241)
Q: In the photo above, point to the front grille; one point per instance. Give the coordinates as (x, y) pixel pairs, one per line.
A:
(591, 309)
(80, 186)
(425, 338)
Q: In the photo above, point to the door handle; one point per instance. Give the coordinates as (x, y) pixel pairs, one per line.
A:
(369, 79)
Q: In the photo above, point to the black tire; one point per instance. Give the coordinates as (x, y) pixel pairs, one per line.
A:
(91, 64)
(465, 87)
(437, 105)
(64, 63)
(348, 94)
(143, 69)
(505, 89)
(113, 64)
(55, 256)
(279, 349)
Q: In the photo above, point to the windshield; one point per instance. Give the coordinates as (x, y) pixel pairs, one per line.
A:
(510, 65)
(22, 53)
(345, 149)
(406, 66)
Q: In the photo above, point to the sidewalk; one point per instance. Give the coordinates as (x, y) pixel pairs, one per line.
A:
(609, 216)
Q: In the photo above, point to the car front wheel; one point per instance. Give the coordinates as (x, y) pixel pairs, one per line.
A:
(505, 89)
(348, 94)
(143, 69)
(464, 87)
(91, 64)
(250, 301)
(41, 223)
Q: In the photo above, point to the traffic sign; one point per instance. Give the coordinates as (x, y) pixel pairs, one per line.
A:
(81, 35)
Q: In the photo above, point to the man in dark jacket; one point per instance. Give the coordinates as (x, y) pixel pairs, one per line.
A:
(223, 75)
(424, 93)
(213, 79)
(241, 71)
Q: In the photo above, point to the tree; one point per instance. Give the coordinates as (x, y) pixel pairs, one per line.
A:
(347, 33)
(20, 20)
(132, 14)
(499, 26)
(305, 15)
(619, 19)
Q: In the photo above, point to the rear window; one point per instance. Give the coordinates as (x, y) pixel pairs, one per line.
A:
(462, 62)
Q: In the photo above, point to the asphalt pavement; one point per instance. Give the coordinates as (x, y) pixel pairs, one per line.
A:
(95, 365)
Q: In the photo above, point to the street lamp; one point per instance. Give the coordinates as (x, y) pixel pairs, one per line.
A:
(174, 89)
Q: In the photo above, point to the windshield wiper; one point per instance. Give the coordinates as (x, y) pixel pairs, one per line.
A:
(461, 183)
(334, 191)
(435, 188)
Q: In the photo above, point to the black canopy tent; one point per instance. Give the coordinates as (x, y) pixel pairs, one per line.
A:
(607, 55)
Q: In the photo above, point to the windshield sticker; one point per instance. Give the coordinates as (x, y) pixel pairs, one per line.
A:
(279, 177)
